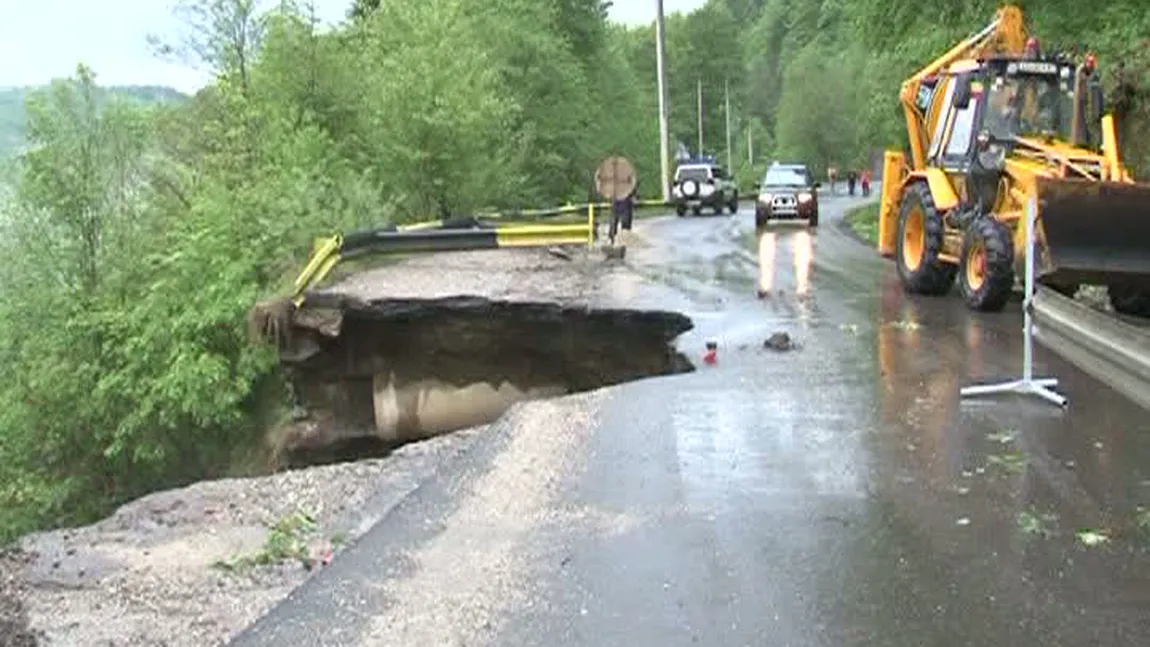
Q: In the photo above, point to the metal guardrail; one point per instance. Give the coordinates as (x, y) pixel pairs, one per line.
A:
(1111, 350)
(569, 209)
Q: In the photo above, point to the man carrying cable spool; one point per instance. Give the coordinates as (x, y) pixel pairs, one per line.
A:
(615, 179)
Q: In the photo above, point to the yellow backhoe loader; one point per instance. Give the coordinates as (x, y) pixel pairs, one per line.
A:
(991, 124)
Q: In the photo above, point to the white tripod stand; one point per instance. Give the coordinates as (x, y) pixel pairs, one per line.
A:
(1028, 384)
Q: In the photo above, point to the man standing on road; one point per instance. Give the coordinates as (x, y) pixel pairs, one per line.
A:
(852, 178)
(623, 212)
(832, 177)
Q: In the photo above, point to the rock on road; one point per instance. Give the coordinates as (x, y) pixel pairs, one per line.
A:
(834, 494)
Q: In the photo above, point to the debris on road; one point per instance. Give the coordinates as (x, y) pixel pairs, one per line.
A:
(1002, 437)
(1092, 538)
(780, 341)
(904, 324)
(614, 252)
(1038, 523)
(559, 252)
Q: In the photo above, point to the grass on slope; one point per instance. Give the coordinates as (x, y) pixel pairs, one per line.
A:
(864, 221)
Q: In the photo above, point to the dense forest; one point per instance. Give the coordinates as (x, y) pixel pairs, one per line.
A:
(137, 234)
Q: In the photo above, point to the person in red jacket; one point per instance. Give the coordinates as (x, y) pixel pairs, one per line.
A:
(866, 182)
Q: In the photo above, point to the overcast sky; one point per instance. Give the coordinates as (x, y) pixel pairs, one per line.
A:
(42, 39)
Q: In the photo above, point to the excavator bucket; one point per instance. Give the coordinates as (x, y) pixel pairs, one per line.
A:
(1095, 232)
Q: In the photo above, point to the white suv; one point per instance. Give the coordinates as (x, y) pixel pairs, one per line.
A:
(699, 185)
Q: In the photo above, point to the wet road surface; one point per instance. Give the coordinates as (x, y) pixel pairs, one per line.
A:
(836, 494)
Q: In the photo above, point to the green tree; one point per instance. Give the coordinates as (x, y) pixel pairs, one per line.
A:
(70, 241)
(82, 162)
(813, 124)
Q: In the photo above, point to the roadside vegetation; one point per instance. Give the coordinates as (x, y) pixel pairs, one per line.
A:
(864, 221)
(136, 234)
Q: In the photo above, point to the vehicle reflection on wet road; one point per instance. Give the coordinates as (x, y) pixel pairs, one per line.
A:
(800, 249)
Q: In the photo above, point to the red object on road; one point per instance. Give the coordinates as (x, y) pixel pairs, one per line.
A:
(711, 356)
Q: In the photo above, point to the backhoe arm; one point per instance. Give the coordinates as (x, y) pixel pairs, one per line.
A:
(1006, 34)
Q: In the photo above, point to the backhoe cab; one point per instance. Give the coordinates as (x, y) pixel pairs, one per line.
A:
(1005, 124)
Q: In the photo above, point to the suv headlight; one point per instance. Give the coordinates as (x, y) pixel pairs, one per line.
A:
(766, 198)
(804, 197)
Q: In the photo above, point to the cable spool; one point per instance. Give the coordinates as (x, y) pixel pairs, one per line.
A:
(615, 178)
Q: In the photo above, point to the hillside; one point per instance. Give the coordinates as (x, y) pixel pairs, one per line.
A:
(12, 108)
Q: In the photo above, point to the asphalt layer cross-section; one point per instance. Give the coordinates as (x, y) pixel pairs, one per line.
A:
(836, 494)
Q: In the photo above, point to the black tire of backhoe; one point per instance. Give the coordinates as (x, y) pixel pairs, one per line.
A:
(1130, 301)
(933, 277)
(998, 283)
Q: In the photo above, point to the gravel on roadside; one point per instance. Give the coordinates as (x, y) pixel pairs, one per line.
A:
(14, 630)
(181, 567)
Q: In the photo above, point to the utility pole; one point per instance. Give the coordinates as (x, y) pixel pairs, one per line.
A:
(699, 91)
(750, 147)
(664, 135)
(727, 90)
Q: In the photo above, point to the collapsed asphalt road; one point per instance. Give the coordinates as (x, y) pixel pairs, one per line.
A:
(835, 494)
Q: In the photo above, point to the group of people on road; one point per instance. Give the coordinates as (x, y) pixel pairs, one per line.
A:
(854, 178)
